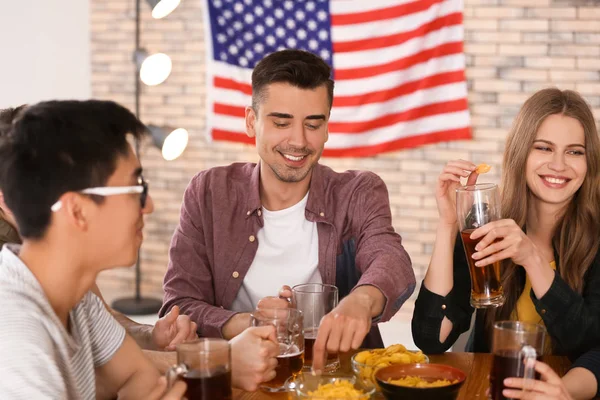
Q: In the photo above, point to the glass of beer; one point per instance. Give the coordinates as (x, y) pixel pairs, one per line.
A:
(289, 327)
(476, 205)
(315, 300)
(515, 346)
(205, 366)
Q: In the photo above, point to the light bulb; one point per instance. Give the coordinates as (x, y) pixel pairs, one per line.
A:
(155, 69)
(164, 8)
(175, 144)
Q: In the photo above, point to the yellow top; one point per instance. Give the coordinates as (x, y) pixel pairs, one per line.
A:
(525, 309)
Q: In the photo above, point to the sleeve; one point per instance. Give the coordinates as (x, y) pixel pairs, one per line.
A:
(380, 256)
(188, 282)
(106, 334)
(591, 362)
(29, 368)
(572, 319)
(431, 308)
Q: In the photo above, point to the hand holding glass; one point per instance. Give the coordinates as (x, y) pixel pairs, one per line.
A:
(476, 205)
(516, 346)
(289, 328)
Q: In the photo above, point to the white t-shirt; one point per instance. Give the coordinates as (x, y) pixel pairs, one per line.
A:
(40, 359)
(287, 254)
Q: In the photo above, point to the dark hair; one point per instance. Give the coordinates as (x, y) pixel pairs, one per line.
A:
(297, 67)
(7, 116)
(59, 146)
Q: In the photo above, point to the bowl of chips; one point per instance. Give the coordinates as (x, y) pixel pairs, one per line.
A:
(329, 387)
(366, 363)
(420, 382)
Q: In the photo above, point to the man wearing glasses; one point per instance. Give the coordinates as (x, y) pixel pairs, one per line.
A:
(169, 331)
(76, 191)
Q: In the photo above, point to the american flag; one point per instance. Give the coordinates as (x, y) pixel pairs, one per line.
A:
(398, 67)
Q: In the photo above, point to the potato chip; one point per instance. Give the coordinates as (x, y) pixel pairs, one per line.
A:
(367, 362)
(336, 390)
(416, 381)
(483, 169)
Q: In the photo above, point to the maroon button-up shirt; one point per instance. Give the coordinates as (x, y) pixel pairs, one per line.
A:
(215, 242)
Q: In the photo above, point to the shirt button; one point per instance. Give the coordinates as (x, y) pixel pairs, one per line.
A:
(543, 311)
(322, 214)
(443, 306)
(251, 238)
(235, 274)
(249, 212)
(259, 213)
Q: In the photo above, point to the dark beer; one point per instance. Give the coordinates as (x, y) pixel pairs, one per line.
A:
(309, 343)
(506, 364)
(310, 336)
(486, 289)
(288, 365)
(202, 386)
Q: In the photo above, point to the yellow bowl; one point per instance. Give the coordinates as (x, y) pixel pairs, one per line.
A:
(365, 371)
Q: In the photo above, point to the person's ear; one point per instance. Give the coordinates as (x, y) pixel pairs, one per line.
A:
(250, 116)
(76, 209)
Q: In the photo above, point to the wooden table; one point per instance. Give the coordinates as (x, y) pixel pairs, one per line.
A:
(476, 365)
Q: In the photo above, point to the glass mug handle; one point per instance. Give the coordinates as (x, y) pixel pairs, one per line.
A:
(529, 356)
(174, 373)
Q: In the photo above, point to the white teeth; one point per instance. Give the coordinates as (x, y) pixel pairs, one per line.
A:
(292, 158)
(555, 180)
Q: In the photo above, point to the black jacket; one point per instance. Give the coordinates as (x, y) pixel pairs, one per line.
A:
(572, 320)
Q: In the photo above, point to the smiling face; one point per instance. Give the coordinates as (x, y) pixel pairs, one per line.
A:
(290, 127)
(557, 164)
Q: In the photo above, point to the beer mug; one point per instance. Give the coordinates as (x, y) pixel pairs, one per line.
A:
(205, 366)
(315, 300)
(476, 205)
(515, 347)
(289, 328)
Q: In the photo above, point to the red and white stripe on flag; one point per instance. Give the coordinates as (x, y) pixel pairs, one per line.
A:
(398, 67)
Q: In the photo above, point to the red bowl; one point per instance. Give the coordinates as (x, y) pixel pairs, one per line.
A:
(429, 372)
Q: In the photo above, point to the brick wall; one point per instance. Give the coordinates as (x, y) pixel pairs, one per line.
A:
(513, 48)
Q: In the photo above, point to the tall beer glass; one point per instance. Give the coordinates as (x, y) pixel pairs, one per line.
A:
(476, 205)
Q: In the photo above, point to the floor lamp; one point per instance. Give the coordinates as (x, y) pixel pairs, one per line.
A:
(151, 70)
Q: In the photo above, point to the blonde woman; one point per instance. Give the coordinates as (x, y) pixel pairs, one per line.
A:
(548, 240)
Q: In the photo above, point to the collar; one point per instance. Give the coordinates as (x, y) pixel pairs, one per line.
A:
(253, 204)
(316, 197)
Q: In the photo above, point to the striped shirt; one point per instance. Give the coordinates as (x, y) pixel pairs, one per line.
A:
(40, 359)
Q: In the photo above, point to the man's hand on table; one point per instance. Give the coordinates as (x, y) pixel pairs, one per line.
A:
(550, 387)
(173, 329)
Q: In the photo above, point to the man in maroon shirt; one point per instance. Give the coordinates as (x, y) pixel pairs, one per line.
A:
(239, 235)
